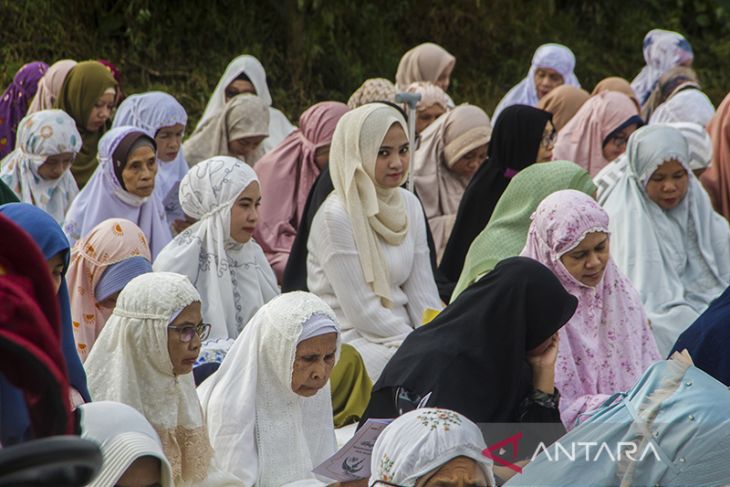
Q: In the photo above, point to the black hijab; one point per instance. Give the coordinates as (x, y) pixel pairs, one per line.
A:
(472, 357)
(515, 140)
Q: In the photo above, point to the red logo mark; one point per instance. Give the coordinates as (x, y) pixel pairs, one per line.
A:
(499, 446)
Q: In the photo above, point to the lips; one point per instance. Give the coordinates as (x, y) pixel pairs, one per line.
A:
(670, 201)
(189, 361)
(248, 229)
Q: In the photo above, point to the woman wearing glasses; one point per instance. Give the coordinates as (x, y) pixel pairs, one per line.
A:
(598, 133)
(522, 136)
(144, 358)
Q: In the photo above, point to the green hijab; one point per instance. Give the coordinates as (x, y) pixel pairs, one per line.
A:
(7, 195)
(84, 85)
(505, 234)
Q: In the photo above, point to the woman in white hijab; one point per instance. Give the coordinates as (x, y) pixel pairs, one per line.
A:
(368, 254)
(129, 445)
(217, 253)
(552, 66)
(238, 129)
(665, 235)
(268, 407)
(159, 312)
(245, 74)
(431, 446)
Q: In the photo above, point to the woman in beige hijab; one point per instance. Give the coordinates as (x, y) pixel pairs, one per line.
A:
(426, 62)
(236, 130)
(451, 151)
(368, 254)
(563, 102)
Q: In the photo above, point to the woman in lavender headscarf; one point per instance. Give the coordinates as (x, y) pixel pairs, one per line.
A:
(14, 102)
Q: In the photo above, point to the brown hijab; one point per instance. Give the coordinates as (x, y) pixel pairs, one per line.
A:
(614, 83)
(563, 102)
(716, 179)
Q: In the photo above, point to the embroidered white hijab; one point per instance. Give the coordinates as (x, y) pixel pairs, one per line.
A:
(279, 125)
(261, 430)
(234, 279)
(374, 211)
(130, 364)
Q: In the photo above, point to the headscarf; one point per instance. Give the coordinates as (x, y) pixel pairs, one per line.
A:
(421, 441)
(708, 338)
(663, 50)
(278, 125)
(15, 100)
(234, 279)
(124, 436)
(700, 157)
(374, 212)
(273, 436)
(373, 89)
(673, 81)
(443, 143)
(674, 420)
(690, 105)
(117, 73)
(430, 95)
(104, 198)
(506, 232)
(489, 328)
(287, 174)
(84, 85)
(425, 62)
(563, 102)
(514, 143)
(552, 56)
(687, 246)
(583, 138)
(716, 179)
(151, 112)
(50, 85)
(30, 342)
(614, 83)
(108, 243)
(607, 344)
(130, 364)
(243, 116)
(42, 134)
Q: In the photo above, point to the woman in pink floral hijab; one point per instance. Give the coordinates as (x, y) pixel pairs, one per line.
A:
(607, 344)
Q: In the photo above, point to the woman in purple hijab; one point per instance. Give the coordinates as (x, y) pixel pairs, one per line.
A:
(14, 102)
(122, 186)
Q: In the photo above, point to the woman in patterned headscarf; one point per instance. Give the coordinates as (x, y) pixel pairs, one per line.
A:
(15, 100)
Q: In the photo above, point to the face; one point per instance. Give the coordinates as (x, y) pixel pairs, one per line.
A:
(322, 156)
(668, 185)
(458, 472)
(239, 86)
(540, 349)
(427, 116)
(616, 145)
(55, 265)
(183, 354)
(393, 158)
(587, 262)
(245, 213)
(313, 364)
(168, 140)
(244, 147)
(546, 80)
(139, 172)
(109, 303)
(101, 112)
(547, 143)
(444, 79)
(56, 165)
(468, 164)
(144, 472)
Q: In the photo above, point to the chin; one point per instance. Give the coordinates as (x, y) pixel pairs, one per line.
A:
(183, 369)
(242, 238)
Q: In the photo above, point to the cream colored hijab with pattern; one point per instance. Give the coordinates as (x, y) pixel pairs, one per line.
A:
(374, 211)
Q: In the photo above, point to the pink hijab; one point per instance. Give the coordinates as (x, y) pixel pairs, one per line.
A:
(607, 344)
(286, 175)
(581, 140)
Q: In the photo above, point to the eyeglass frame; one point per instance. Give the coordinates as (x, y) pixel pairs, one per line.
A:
(201, 329)
(384, 482)
(550, 139)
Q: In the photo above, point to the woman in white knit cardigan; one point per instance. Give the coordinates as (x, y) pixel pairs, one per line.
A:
(368, 253)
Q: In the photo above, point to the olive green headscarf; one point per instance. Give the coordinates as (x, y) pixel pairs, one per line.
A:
(506, 233)
(84, 85)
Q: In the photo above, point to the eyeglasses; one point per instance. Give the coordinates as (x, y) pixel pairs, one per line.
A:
(383, 482)
(187, 332)
(549, 139)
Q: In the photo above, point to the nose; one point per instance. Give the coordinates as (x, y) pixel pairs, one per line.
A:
(318, 370)
(104, 113)
(195, 343)
(147, 173)
(253, 215)
(669, 186)
(593, 261)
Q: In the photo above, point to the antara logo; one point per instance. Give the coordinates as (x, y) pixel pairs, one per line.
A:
(592, 451)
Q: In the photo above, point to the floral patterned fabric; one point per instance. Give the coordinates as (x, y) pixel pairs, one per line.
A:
(15, 100)
(423, 440)
(607, 344)
(40, 135)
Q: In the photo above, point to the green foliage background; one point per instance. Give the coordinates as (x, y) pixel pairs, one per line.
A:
(323, 49)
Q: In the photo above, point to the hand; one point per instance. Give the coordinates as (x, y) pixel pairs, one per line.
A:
(180, 225)
(542, 361)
